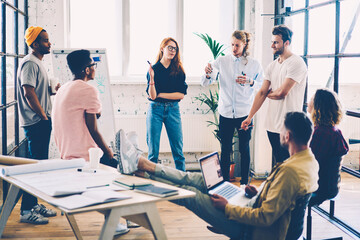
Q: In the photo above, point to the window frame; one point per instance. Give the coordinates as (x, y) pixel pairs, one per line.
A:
(281, 13)
(11, 148)
(178, 6)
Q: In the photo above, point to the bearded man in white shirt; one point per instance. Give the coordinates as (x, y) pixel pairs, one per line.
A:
(284, 86)
(239, 75)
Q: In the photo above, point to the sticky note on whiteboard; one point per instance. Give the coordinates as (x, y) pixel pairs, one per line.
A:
(97, 59)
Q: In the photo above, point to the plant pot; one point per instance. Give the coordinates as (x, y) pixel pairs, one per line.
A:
(232, 172)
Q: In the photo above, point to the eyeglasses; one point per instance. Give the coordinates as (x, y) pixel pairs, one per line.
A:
(90, 65)
(172, 49)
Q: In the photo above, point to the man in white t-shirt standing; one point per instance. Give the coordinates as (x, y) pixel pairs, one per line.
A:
(284, 86)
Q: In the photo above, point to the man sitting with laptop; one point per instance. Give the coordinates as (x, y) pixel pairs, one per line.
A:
(269, 216)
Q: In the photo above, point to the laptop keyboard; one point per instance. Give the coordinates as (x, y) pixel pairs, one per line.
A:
(227, 191)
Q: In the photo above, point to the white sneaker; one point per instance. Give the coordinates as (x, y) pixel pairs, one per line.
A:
(133, 138)
(121, 229)
(127, 154)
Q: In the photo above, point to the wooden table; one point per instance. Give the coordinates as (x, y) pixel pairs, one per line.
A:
(140, 208)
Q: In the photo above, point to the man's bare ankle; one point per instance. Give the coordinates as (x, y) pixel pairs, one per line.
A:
(139, 173)
(141, 163)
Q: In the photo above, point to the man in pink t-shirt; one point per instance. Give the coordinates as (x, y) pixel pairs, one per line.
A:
(75, 110)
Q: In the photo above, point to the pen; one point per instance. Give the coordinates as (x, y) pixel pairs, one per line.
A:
(86, 170)
(148, 62)
(250, 180)
(250, 126)
(105, 185)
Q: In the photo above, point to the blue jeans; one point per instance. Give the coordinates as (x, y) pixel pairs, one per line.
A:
(169, 114)
(38, 136)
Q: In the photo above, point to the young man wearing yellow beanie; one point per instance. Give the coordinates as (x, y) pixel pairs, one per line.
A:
(35, 111)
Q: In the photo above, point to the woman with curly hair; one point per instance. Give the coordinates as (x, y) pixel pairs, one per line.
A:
(166, 87)
(327, 144)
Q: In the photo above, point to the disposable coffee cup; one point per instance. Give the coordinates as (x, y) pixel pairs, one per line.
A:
(53, 83)
(94, 155)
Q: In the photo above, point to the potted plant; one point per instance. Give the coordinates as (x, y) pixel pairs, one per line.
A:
(211, 99)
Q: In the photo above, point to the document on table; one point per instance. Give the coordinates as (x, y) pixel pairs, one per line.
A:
(43, 166)
(88, 198)
(68, 181)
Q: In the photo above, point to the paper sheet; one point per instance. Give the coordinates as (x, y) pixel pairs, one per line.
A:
(68, 181)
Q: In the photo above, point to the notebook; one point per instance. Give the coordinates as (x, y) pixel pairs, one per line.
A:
(215, 183)
(131, 183)
(156, 191)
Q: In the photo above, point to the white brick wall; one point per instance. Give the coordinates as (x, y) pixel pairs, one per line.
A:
(130, 99)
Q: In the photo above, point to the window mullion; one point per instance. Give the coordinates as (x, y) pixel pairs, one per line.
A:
(337, 46)
(125, 37)
(3, 80)
(180, 23)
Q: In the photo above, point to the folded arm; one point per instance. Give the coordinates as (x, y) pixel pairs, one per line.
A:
(172, 96)
(283, 90)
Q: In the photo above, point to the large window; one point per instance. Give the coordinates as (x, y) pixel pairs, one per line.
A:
(333, 34)
(216, 19)
(132, 31)
(327, 35)
(13, 15)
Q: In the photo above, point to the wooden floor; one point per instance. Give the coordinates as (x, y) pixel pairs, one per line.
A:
(179, 223)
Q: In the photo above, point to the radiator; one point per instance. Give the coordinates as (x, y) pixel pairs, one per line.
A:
(197, 135)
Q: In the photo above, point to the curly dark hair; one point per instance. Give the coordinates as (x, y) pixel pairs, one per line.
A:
(327, 108)
(283, 31)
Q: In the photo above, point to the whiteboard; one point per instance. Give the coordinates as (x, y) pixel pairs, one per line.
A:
(101, 82)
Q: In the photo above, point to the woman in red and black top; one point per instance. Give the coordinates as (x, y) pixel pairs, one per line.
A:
(327, 144)
(166, 87)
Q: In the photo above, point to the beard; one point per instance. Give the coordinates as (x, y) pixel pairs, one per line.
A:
(44, 50)
(279, 51)
(283, 143)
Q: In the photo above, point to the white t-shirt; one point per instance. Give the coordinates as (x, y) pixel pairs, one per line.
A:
(295, 68)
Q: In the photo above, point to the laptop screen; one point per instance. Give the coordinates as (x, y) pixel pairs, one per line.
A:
(210, 167)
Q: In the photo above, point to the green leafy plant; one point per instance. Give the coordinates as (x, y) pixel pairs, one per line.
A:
(215, 47)
(212, 99)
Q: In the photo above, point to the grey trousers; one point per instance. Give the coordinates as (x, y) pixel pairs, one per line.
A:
(201, 204)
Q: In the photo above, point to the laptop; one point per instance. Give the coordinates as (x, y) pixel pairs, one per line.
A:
(215, 183)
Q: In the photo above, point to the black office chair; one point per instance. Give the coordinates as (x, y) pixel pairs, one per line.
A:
(329, 180)
(296, 224)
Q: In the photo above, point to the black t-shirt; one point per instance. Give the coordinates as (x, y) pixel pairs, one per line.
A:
(166, 83)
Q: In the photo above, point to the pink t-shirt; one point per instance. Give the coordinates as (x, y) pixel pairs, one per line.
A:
(68, 118)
